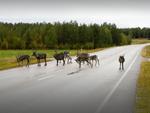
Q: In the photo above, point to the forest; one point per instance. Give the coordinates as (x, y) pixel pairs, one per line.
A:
(66, 35)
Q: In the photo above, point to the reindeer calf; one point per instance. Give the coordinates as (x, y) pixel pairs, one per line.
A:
(83, 57)
(23, 57)
(94, 57)
(67, 56)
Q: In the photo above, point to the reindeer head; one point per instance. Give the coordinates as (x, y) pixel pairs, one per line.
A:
(121, 56)
(34, 52)
(18, 60)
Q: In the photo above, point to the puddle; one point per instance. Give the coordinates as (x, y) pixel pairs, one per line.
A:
(73, 72)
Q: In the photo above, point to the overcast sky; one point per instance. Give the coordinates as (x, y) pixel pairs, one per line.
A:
(124, 13)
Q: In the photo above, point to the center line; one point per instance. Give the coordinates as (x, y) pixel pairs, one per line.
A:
(45, 78)
(115, 87)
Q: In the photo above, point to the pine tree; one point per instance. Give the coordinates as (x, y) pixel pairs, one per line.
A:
(51, 39)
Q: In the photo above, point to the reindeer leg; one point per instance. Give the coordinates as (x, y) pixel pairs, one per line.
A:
(28, 62)
(57, 63)
(95, 62)
(68, 61)
(91, 64)
(122, 66)
(79, 64)
(63, 62)
(45, 62)
(38, 63)
(22, 63)
(98, 62)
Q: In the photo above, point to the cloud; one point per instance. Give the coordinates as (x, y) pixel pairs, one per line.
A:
(124, 13)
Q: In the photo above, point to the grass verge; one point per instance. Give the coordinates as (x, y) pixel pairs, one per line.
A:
(142, 101)
(8, 59)
(140, 41)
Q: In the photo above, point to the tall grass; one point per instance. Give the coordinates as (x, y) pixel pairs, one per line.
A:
(140, 41)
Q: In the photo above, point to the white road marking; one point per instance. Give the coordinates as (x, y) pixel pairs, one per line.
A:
(115, 87)
(45, 77)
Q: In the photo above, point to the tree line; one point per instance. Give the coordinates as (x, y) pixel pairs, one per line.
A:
(66, 35)
(137, 33)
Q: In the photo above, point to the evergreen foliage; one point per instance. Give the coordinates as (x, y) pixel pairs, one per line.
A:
(66, 35)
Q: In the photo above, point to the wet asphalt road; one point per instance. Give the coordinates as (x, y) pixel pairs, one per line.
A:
(68, 89)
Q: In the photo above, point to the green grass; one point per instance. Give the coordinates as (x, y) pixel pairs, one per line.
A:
(147, 54)
(142, 101)
(8, 59)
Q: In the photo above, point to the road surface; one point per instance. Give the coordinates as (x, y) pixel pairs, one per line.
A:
(68, 89)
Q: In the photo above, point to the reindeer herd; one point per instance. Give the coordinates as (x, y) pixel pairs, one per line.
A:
(81, 58)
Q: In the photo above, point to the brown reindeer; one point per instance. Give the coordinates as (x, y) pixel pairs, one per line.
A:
(121, 60)
(23, 57)
(94, 57)
(39, 56)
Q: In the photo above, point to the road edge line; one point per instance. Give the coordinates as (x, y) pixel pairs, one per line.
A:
(115, 87)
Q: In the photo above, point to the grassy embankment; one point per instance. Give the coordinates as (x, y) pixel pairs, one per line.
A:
(8, 59)
(142, 102)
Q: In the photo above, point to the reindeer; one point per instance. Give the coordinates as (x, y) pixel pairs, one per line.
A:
(23, 57)
(94, 57)
(83, 57)
(59, 56)
(67, 56)
(78, 54)
(121, 60)
(39, 56)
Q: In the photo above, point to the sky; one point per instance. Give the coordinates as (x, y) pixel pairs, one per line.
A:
(123, 13)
